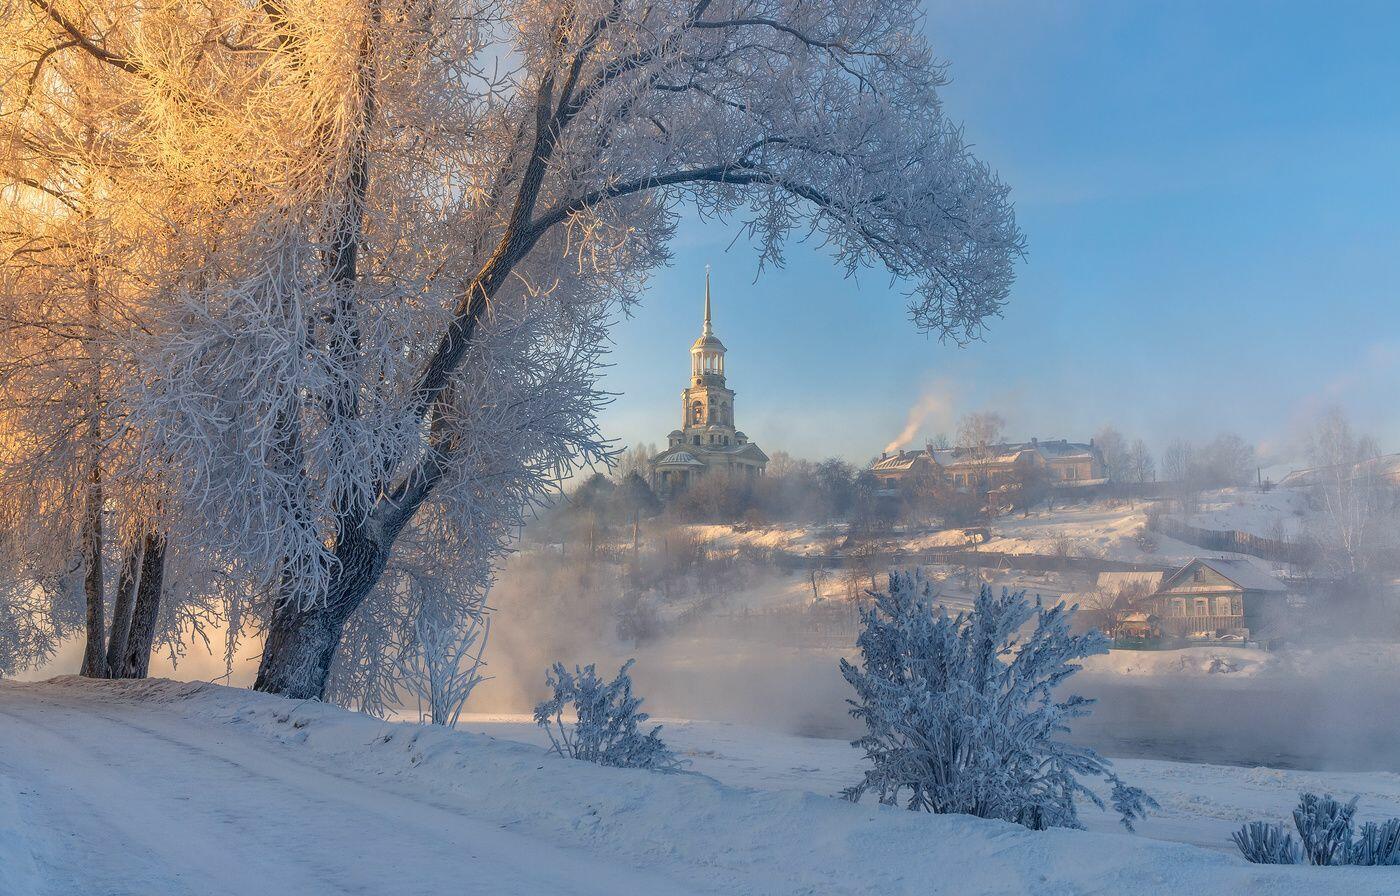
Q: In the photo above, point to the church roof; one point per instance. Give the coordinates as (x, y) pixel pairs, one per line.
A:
(680, 459)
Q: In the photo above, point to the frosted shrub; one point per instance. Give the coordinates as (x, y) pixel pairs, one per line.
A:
(606, 727)
(1326, 835)
(442, 664)
(1324, 827)
(960, 712)
(1267, 844)
(1377, 844)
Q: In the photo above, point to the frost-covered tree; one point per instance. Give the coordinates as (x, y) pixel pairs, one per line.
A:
(606, 719)
(1357, 524)
(961, 712)
(392, 234)
(84, 251)
(1140, 466)
(978, 430)
(636, 459)
(1113, 448)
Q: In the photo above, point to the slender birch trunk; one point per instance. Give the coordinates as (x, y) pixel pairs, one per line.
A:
(94, 654)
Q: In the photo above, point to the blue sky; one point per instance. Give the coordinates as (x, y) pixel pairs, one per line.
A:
(1210, 195)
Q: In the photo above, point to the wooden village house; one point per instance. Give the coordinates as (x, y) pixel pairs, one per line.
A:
(1207, 599)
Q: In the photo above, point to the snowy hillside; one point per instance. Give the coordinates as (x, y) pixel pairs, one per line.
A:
(1100, 529)
(159, 787)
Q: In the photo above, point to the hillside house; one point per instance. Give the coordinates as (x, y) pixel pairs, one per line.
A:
(1383, 470)
(1059, 462)
(1210, 599)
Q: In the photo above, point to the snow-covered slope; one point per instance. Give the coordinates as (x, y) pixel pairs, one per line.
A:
(158, 787)
(1103, 529)
(1202, 804)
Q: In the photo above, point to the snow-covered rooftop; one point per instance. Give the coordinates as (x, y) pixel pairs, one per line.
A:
(1245, 573)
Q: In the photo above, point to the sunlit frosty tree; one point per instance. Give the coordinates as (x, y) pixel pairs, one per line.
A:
(394, 233)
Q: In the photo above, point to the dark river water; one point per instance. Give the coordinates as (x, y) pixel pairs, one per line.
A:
(1325, 723)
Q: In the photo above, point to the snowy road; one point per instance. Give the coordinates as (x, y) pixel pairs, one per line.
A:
(116, 799)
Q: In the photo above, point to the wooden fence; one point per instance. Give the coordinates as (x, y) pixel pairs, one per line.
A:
(1236, 542)
(971, 559)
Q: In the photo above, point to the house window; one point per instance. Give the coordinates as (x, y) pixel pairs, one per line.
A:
(695, 440)
(1222, 606)
(1202, 606)
(1178, 606)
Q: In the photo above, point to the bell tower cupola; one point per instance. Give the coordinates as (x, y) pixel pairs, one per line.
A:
(708, 410)
(707, 352)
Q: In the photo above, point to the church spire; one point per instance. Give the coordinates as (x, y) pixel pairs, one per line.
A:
(707, 331)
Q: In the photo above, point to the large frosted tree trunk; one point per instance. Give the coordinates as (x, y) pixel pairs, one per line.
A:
(146, 610)
(301, 641)
(122, 610)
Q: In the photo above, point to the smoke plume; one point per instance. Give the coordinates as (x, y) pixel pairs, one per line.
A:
(935, 404)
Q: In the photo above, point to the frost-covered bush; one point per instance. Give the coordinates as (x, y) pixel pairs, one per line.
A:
(961, 713)
(1267, 844)
(1146, 540)
(1326, 837)
(606, 727)
(1324, 827)
(1377, 844)
(442, 664)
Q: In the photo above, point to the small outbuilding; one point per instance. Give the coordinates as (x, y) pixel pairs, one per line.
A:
(1136, 628)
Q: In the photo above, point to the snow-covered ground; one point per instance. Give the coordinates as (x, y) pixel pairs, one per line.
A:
(165, 788)
(1098, 529)
(1201, 804)
(1281, 513)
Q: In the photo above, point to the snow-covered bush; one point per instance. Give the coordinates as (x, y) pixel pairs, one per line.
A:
(442, 665)
(1326, 836)
(1146, 540)
(1377, 844)
(1267, 844)
(961, 713)
(606, 723)
(1324, 827)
